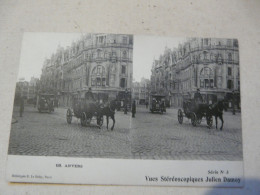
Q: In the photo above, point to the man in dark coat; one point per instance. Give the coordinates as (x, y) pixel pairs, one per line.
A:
(133, 109)
(125, 106)
(89, 95)
(198, 97)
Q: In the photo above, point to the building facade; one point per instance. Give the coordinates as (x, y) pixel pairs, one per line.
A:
(26, 90)
(141, 91)
(208, 64)
(102, 62)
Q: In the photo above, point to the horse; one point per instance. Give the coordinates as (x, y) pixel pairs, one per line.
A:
(216, 110)
(109, 111)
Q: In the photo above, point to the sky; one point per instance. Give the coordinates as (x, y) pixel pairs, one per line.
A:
(146, 50)
(36, 47)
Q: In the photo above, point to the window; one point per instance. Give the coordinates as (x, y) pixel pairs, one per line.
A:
(205, 55)
(229, 57)
(235, 43)
(103, 82)
(201, 83)
(122, 83)
(98, 81)
(99, 53)
(229, 71)
(98, 77)
(206, 83)
(123, 70)
(124, 40)
(99, 70)
(124, 54)
(206, 78)
(211, 83)
(229, 84)
(130, 40)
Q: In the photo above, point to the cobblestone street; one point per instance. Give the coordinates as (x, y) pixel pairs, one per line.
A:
(148, 136)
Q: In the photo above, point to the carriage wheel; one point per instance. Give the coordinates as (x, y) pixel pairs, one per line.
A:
(193, 119)
(69, 116)
(100, 121)
(83, 119)
(209, 121)
(180, 116)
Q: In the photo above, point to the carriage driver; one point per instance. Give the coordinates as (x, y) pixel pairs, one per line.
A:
(198, 97)
(89, 95)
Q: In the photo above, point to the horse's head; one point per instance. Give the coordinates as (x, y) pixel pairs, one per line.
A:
(222, 105)
(112, 105)
(225, 104)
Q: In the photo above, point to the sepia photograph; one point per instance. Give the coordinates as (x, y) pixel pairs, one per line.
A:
(187, 94)
(86, 97)
(73, 96)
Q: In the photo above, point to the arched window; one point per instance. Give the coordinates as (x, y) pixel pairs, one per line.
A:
(206, 78)
(98, 76)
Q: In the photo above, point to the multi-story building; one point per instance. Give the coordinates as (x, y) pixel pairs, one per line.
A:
(100, 61)
(210, 64)
(33, 89)
(141, 91)
(26, 90)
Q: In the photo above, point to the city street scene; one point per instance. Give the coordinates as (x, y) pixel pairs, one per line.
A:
(161, 97)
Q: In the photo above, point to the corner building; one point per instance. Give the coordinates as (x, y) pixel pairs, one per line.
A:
(208, 64)
(100, 61)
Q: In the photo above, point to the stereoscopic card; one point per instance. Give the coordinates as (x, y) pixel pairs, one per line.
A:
(123, 109)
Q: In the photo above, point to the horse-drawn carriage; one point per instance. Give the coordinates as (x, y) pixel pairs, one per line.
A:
(45, 102)
(85, 109)
(196, 111)
(157, 103)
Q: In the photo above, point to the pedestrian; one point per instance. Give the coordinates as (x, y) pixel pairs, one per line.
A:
(21, 106)
(133, 109)
(146, 104)
(125, 107)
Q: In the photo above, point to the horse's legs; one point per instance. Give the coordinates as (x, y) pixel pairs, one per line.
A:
(107, 121)
(216, 119)
(114, 121)
(221, 118)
